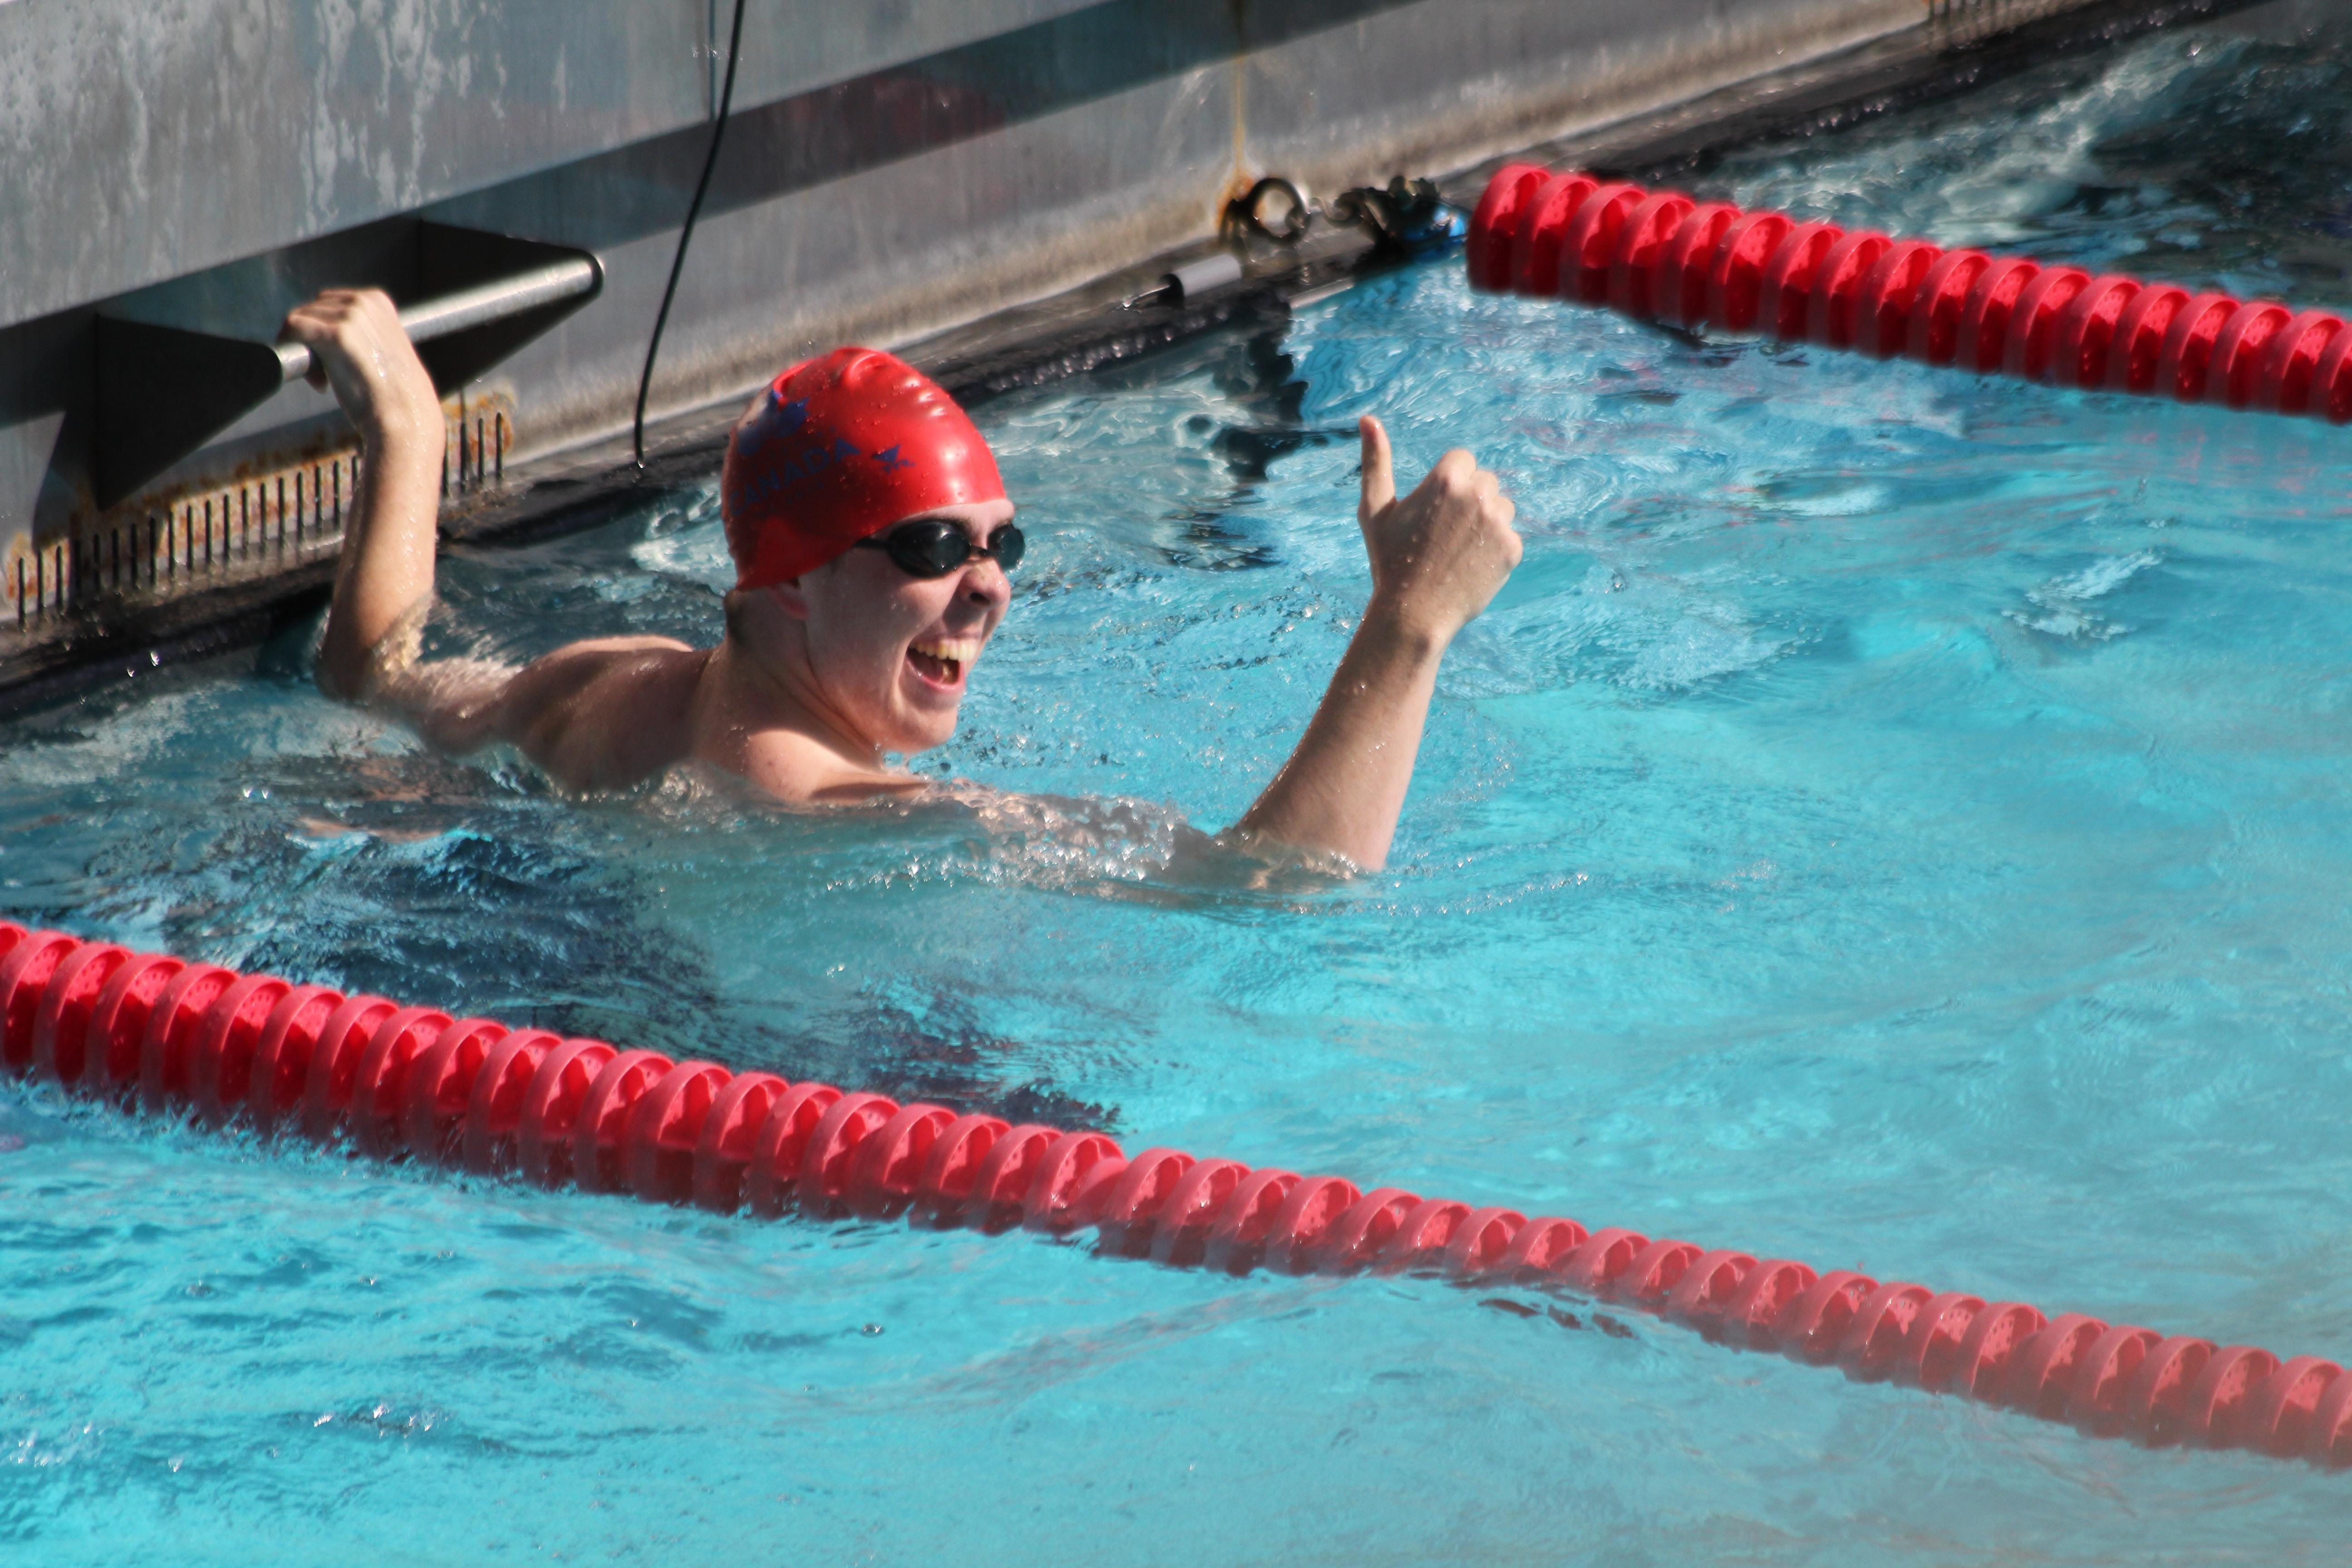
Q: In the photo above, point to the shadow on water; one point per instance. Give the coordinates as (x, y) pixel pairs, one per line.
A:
(1260, 421)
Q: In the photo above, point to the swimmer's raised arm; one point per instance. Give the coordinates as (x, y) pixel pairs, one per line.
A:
(1438, 556)
(383, 583)
(596, 714)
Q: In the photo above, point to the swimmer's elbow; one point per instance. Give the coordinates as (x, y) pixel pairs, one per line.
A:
(456, 732)
(1276, 856)
(359, 685)
(456, 706)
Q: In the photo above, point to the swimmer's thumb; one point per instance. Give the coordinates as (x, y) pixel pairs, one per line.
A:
(1380, 477)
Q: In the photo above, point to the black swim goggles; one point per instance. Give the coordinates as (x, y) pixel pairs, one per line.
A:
(933, 547)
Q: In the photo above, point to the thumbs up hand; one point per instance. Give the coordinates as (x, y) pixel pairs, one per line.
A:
(1440, 553)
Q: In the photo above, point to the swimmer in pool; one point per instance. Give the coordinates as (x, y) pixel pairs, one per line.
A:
(874, 546)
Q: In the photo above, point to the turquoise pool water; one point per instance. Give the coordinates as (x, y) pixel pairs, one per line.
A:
(1892, 820)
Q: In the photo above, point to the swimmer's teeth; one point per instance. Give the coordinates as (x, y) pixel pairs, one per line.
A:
(953, 652)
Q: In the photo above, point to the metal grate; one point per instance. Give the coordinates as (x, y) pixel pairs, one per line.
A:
(248, 529)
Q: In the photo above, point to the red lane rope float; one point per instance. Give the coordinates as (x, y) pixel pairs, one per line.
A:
(1661, 256)
(202, 1040)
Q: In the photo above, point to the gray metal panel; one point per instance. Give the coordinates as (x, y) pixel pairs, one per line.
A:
(893, 205)
(931, 188)
(792, 45)
(141, 140)
(886, 174)
(1434, 88)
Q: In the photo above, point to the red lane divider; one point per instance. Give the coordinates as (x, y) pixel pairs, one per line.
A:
(1661, 256)
(199, 1039)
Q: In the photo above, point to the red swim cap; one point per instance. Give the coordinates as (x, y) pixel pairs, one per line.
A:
(837, 449)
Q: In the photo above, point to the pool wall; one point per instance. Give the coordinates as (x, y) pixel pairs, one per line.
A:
(889, 170)
(988, 173)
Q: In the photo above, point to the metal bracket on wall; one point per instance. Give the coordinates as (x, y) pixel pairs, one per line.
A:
(164, 391)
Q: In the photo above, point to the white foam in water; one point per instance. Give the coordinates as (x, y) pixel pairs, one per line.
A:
(2060, 602)
(682, 542)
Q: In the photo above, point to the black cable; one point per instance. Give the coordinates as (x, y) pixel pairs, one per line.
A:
(693, 211)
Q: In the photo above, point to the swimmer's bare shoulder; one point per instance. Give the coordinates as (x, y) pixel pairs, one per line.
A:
(605, 712)
(610, 713)
(613, 712)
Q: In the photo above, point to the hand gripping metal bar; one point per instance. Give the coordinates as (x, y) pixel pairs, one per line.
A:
(566, 278)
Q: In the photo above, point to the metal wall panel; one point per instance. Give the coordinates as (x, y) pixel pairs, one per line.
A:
(890, 168)
(144, 139)
(1437, 87)
(889, 205)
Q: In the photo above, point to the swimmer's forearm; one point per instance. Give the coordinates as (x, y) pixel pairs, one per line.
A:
(383, 581)
(386, 573)
(1342, 790)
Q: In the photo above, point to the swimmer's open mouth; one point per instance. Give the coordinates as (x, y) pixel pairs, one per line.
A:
(944, 660)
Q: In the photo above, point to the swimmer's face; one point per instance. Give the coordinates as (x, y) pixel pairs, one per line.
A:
(890, 653)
